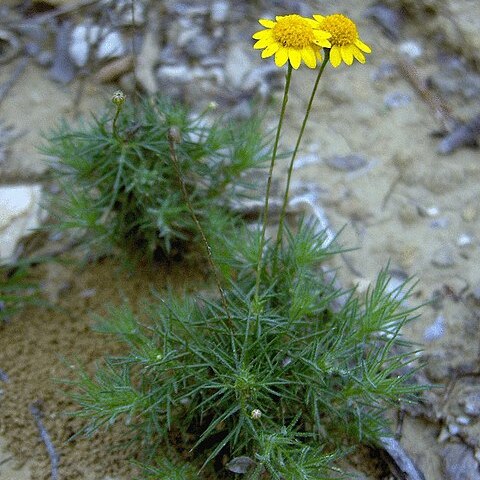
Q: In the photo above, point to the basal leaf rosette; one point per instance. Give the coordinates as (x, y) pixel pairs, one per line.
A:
(345, 41)
(292, 38)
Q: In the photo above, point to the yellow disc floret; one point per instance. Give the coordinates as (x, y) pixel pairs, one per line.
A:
(292, 38)
(293, 31)
(346, 44)
(343, 30)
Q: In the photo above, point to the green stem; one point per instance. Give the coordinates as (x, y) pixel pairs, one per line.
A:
(269, 180)
(294, 155)
(174, 137)
(114, 124)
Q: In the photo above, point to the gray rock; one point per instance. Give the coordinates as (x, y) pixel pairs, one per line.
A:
(471, 404)
(200, 46)
(397, 99)
(347, 163)
(459, 463)
(444, 257)
(237, 66)
(436, 330)
(219, 11)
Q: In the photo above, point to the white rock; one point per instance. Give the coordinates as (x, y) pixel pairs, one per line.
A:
(175, 73)
(20, 212)
(219, 11)
(411, 49)
(237, 66)
(85, 35)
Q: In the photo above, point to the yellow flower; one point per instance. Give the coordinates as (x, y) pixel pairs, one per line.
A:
(293, 38)
(346, 44)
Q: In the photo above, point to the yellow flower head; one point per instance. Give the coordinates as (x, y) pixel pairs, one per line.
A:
(346, 44)
(293, 38)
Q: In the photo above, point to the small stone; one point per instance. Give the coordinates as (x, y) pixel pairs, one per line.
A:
(444, 257)
(200, 46)
(175, 74)
(440, 223)
(237, 66)
(306, 160)
(436, 330)
(453, 429)
(462, 420)
(411, 49)
(219, 11)
(471, 404)
(428, 211)
(459, 463)
(346, 163)
(397, 99)
(464, 240)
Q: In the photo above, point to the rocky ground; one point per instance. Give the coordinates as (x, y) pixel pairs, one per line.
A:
(386, 157)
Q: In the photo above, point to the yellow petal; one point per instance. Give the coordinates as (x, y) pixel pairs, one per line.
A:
(262, 44)
(358, 54)
(312, 23)
(318, 18)
(262, 34)
(335, 57)
(281, 57)
(270, 50)
(295, 57)
(362, 46)
(347, 54)
(308, 55)
(321, 40)
(265, 22)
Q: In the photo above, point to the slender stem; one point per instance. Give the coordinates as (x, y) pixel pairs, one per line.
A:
(269, 180)
(114, 124)
(295, 151)
(174, 137)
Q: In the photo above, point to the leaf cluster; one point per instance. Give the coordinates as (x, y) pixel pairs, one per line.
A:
(319, 363)
(16, 289)
(119, 183)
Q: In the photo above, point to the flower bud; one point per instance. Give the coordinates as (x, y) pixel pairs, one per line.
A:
(256, 414)
(118, 98)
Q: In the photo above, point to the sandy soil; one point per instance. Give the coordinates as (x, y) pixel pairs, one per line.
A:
(385, 209)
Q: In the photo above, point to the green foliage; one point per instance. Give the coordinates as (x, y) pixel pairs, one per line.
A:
(16, 290)
(290, 379)
(120, 185)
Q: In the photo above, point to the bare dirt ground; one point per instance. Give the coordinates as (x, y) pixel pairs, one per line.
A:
(399, 202)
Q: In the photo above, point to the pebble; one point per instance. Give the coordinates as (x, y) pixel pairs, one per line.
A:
(346, 163)
(179, 73)
(436, 330)
(411, 49)
(306, 160)
(459, 463)
(471, 403)
(237, 66)
(440, 223)
(464, 240)
(444, 257)
(428, 211)
(85, 35)
(200, 46)
(397, 99)
(219, 11)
